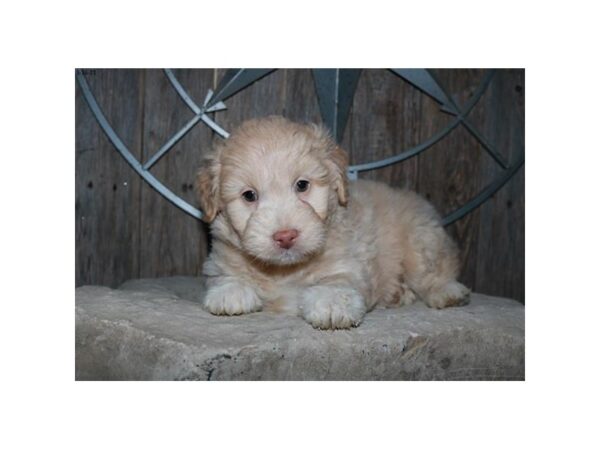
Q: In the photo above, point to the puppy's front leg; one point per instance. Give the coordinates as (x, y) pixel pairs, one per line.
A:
(230, 296)
(334, 307)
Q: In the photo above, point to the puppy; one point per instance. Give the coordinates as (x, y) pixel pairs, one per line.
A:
(291, 234)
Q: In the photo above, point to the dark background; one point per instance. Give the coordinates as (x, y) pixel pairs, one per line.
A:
(124, 229)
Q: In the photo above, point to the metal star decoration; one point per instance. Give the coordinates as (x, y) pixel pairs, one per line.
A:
(335, 90)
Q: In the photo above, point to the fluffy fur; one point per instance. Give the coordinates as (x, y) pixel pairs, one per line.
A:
(358, 244)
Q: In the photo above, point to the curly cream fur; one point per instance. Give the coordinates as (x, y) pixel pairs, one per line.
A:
(360, 244)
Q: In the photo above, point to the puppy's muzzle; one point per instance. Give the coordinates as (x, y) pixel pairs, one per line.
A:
(285, 238)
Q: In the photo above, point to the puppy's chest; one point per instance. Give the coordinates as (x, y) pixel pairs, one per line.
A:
(282, 293)
(274, 284)
(281, 283)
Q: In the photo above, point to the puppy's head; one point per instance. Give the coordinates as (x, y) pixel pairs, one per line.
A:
(271, 188)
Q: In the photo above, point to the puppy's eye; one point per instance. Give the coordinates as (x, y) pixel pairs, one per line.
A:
(250, 196)
(302, 185)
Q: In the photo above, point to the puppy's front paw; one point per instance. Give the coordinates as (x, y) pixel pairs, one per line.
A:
(231, 298)
(452, 294)
(332, 307)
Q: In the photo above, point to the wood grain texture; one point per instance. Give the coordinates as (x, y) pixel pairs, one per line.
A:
(262, 98)
(135, 232)
(300, 101)
(173, 243)
(449, 173)
(107, 191)
(501, 243)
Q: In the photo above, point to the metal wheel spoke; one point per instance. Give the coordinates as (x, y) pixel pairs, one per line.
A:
(125, 153)
(433, 139)
(480, 198)
(484, 143)
(199, 111)
(171, 142)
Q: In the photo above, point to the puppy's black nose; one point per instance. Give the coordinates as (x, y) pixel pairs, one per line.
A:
(285, 238)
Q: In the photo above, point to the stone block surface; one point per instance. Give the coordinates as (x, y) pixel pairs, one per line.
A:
(155, 329)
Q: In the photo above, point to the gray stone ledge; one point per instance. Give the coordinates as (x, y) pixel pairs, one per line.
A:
(155, 329)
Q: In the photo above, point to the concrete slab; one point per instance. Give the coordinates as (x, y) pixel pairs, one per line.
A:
(155, 329)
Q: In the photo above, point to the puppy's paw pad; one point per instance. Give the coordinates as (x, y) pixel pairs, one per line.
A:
(453, 294)
(327, 307)
(231, 299)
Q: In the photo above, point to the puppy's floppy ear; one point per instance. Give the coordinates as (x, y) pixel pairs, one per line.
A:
(338, 162)
(207, 186)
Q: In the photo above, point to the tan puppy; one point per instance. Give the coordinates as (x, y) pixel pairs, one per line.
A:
(291, 234)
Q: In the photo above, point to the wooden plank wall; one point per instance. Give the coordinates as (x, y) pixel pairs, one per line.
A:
(124, 229)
